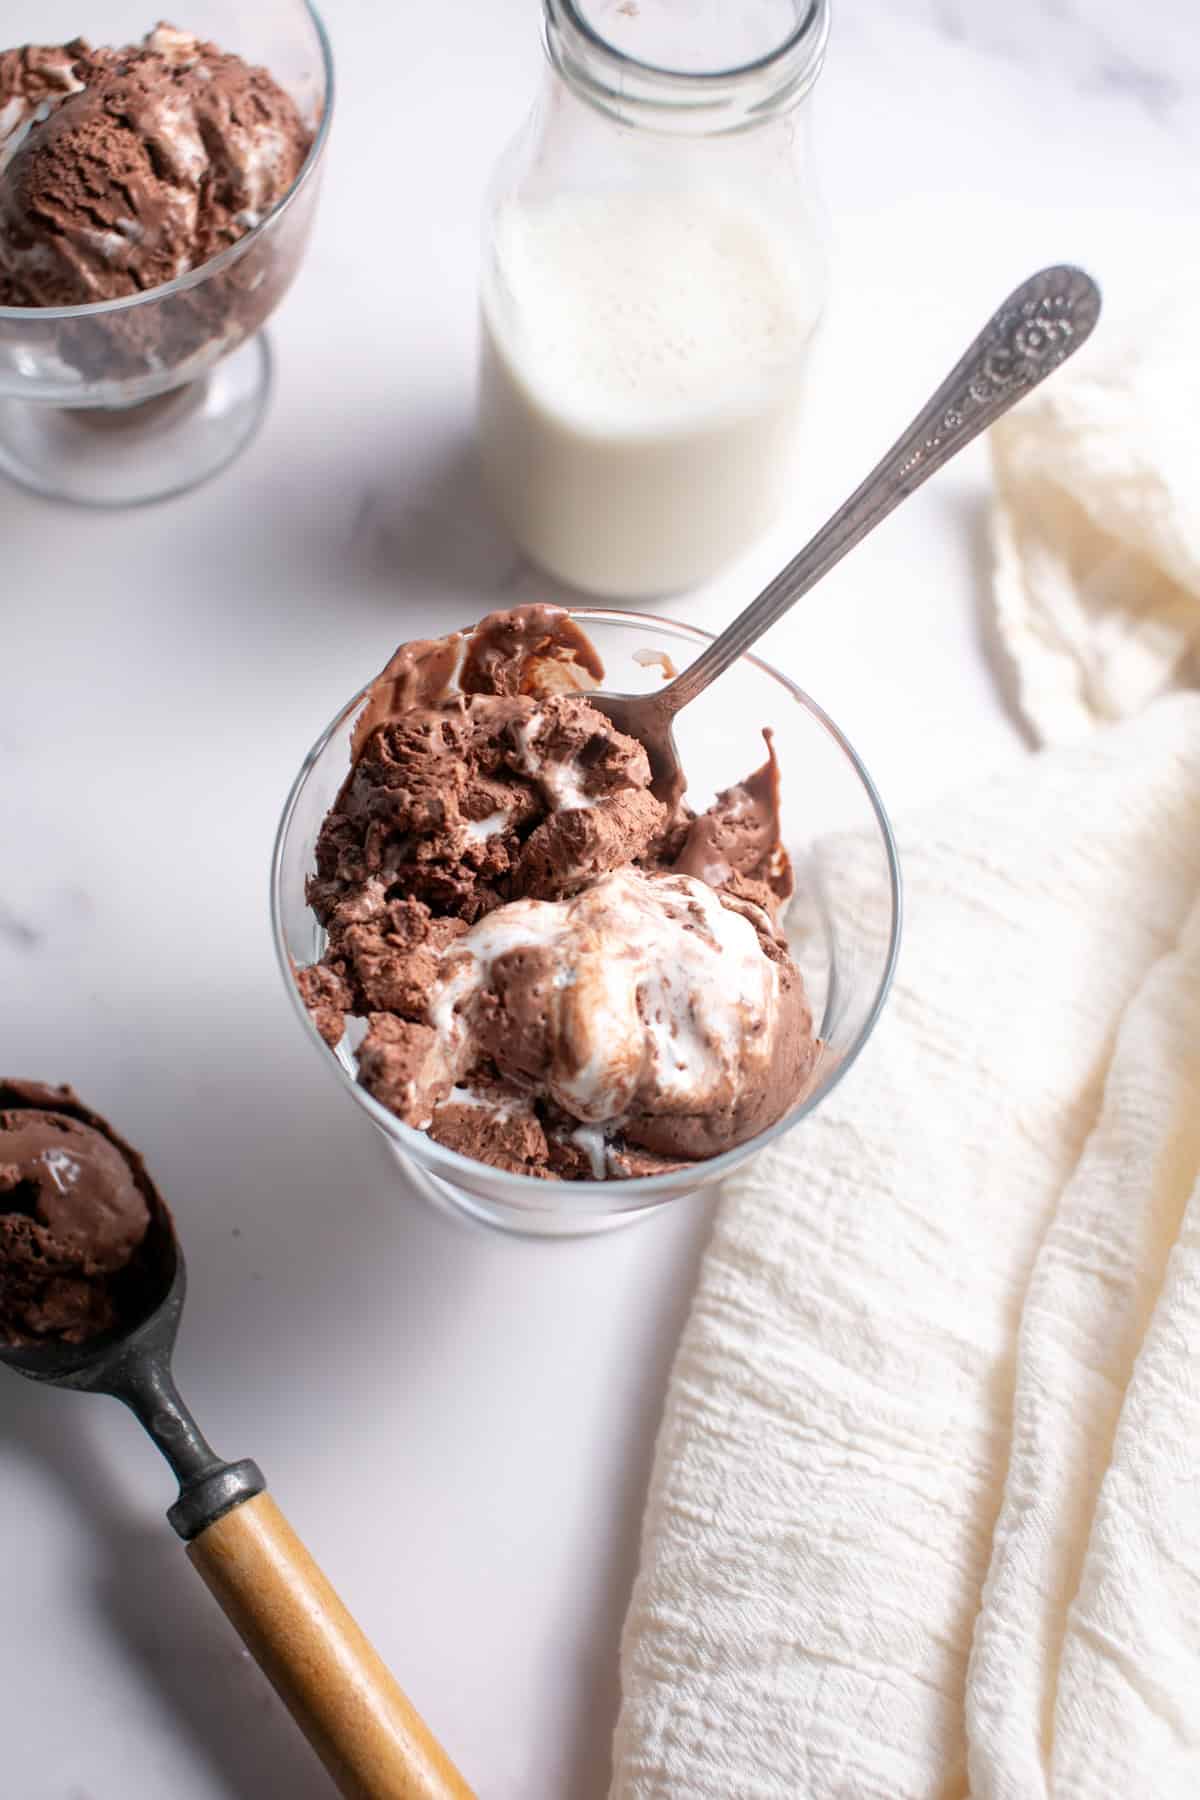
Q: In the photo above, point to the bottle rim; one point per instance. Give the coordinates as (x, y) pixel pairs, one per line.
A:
(700, 101)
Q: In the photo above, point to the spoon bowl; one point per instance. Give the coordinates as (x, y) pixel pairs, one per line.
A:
(646, 718)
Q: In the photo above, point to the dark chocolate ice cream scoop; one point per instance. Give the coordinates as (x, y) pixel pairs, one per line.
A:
(92, 1283)
(75, 1206)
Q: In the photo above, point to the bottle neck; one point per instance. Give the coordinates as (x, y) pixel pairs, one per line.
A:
(652, 64)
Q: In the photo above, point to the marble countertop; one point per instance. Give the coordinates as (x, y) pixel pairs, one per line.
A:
(460, 1425)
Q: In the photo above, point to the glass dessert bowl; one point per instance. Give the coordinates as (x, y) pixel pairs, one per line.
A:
(130, 399)
(842, 926)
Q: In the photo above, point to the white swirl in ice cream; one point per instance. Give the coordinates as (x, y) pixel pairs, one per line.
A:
(643, 991)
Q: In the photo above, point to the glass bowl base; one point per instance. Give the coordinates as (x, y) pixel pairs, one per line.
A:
(128, 456)
(583, 1220)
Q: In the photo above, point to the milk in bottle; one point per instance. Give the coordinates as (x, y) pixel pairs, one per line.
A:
(653, 272)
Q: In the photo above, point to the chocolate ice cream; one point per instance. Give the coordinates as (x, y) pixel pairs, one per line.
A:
(37, 76)
(135, 165)
(122, 169)
(75, 1206)
(557, 973)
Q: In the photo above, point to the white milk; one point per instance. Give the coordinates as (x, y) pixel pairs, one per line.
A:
(641, 382)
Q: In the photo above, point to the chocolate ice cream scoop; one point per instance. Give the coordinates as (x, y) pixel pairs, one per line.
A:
(78, 1208)
(648, 1002)
(75, 1207)
(136, 165)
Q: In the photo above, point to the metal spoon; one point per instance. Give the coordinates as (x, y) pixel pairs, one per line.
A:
(1038, 327)
(334, 1684)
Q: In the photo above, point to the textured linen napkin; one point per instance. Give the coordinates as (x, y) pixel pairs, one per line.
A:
(1096, 528)
(924, 1518)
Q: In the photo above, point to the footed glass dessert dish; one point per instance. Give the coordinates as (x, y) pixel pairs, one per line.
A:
(112, 401)
(842, 925)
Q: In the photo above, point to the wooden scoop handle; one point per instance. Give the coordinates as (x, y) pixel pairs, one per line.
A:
(326, 1673)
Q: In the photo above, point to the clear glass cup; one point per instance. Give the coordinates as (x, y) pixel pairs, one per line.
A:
(131, 400)
(654, 267)
(843, 925)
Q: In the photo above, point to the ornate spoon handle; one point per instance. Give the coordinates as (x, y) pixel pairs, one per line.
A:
(1038, 327)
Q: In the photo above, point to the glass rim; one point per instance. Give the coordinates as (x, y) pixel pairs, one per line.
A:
(95, 309)
(813, 25)
(637, 1192)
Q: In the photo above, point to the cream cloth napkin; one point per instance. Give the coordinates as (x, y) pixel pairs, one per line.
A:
(1096, 528)
(924, 1518)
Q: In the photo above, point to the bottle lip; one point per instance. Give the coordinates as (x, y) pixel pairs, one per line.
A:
(682, 100)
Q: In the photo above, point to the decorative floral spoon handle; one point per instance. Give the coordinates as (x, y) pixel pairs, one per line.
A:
(1038, 327)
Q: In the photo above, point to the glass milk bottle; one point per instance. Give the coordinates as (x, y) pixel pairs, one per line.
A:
(653, 271)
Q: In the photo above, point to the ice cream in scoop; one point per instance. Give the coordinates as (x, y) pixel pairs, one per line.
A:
(75, 1207)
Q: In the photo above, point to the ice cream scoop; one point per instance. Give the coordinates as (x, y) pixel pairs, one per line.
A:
(648, 999)
(334, 1684)
(123, 169)
(1041, 323)
(75, 1208)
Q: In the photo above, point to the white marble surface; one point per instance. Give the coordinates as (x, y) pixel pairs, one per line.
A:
(460, 1426)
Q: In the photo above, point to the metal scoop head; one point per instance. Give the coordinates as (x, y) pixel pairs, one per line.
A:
(134, 1366)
